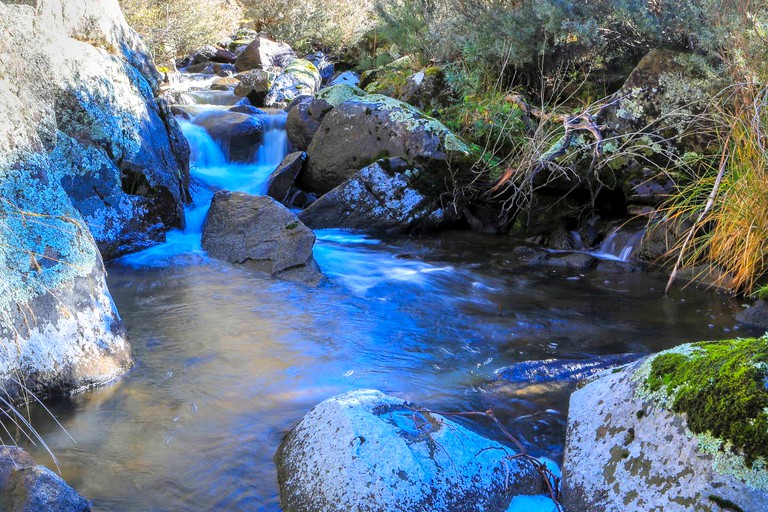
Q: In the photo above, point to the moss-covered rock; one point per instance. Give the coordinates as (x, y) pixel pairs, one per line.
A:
(682, 430)
(368, 127)
(301, 77)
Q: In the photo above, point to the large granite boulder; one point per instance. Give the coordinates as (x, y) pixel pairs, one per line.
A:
(379, 198)
(301, 77)
(265, 54)
(362, 129)
(25, 486)
(240, 134)
(87, 157)
(684, 430)
(262, 234)
(364, 450)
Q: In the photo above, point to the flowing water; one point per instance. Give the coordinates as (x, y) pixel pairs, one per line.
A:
(228, 361)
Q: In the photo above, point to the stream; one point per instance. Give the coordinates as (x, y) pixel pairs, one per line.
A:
(228, 361)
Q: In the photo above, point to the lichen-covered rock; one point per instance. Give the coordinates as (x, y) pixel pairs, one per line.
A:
(280, 182)
(364, 450)
(300, 78)
(364, 128)
(240, 134)
(324, 66)
(85, 151)
(630, 444)
(262, 234)
(265, 54)
(345, 78)
(379, 197)
(25, 486)
(426, 89)
(304, 118)
(254, 85)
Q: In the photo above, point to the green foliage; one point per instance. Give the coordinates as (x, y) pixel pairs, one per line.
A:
(174, 28)
(331, 25)
(721, 387)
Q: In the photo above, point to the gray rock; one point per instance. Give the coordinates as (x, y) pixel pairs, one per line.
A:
(625, 451)
(240, 134)
(345, 77)
(756, 315)
(85, 151)
(304, 118)
(300, 78)
(254, 85)
(280, 182)
(261, 233)
(25, 486)
(378, 197)
(265, 54)
(364, 129)
(324, 66)
(364, 450)
(572, 260)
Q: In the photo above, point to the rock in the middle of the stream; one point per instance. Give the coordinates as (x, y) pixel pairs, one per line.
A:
(261, 233)
(364, 450)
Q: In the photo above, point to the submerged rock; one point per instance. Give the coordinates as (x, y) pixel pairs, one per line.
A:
(378, 197)
(561, 370)
(238, 133)
(626, 449)
(25, 486)
(259, 232)
(362, 129)
(364, 450)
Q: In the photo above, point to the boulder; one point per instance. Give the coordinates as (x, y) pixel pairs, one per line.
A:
(238, 134)
(280, 182)
(224, 56)
(324, 66)
(364, 450)
(87, 156)
(254, 85)
(265, 54)
(379, 197)
(365, 128)
(426, 89)
(755, 315)
(25, 486)
(627, 448)
(304, 118)
(300, 78)
(262, 234)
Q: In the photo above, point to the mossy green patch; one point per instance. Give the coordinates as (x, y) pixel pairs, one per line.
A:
(338, 94)
(722, 387)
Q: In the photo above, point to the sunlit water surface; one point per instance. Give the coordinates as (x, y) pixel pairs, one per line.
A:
(228, 361)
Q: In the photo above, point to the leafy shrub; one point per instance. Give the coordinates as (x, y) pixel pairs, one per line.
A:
(173, 28)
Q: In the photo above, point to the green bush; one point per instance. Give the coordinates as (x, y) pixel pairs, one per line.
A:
(174, 28)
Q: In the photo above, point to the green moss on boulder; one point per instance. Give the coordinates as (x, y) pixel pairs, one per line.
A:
(722, 387)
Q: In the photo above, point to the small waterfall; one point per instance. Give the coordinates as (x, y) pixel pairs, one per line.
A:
(274, 147)
(204, 152)
(620, 245)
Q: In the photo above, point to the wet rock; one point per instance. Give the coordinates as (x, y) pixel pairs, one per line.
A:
(25, 486)
(573, 260)
(254, 85)
(224, 56)
(364, 129)
(248, 109)
(223, 70)
(755, 315)
(225, 84)
(280, 182)
(561, 370)
(203, 67)
(379, 197)
(300, 78)
(240, 134)
(262, 234)
(365, 449)
(265, 54)
(304, 119)
(627, 451)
